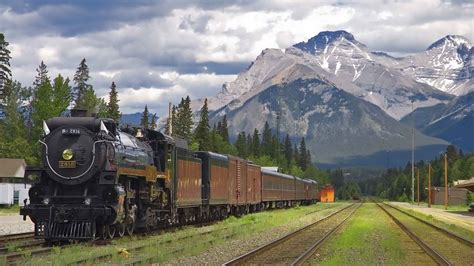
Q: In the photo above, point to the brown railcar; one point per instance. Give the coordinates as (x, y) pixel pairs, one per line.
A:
(254, 184)
(277, 186)
(188, 176)
(215, 178)
(238, 175)
(300, 189)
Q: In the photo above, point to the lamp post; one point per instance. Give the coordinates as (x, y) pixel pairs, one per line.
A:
(418, 185)
(445, 181)
(429, 185)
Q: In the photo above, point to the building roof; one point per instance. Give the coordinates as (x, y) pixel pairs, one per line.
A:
(469, 184)
(12, 167)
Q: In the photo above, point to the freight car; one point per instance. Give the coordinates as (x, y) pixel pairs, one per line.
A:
(99, 181)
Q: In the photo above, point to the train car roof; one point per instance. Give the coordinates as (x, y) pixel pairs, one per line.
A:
(215, 156)
(273, 173)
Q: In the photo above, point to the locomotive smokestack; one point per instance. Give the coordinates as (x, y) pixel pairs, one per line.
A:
(78, 113)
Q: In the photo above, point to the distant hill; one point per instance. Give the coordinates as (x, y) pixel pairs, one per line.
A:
(132, 119)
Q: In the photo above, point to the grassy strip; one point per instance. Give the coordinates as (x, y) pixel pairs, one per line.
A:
(365, 240)
(193, 245)
(454, 208)
(12, 210)
(451, 227)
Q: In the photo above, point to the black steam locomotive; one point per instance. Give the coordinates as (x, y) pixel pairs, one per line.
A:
(99, 181)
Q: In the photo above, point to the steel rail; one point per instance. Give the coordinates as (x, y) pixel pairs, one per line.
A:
(15, 237)
(244, 257)
(440, 259)
(447, 232)
(310, 251)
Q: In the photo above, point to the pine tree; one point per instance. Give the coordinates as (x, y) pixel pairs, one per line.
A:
(241, 145)
(170, 121)
(82, 87)
(249, 145)
(202, 133)
(41, 75)
(267, 140)
(256, 150)
(5, 72)
(308, 158)
(144, 120)
(154, 119)
(303, 163)
(224, 130)
(288, 149)
(113, 106)
(61, 95)
(296, 155)
(184, 120)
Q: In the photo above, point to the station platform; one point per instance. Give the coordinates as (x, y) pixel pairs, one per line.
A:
(464, 219)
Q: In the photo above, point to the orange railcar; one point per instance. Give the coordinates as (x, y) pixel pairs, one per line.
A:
(188, 176)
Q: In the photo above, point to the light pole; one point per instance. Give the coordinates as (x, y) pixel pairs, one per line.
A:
(429, 185)
(445, 181)
(412, 155)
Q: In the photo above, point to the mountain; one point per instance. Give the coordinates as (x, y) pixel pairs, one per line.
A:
(339, 59)
(339, 128)
(453, 122)
(447, 64)
(346, 100)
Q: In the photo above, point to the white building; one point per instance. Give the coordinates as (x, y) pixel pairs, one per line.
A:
(12, 188)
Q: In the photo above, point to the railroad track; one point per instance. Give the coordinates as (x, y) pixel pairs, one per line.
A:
(297, 246)
(6, 239)
(443, 246)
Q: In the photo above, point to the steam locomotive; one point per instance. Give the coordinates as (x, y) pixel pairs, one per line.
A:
(98, 181)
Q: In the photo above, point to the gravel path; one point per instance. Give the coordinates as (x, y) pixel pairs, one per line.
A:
(13, 224)
(462, 219)
(235, 247)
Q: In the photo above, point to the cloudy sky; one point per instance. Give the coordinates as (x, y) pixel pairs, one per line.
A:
(160, 51)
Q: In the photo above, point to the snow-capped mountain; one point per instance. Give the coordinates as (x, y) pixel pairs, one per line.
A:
(448, 65)
(339, 59)
(340, 129)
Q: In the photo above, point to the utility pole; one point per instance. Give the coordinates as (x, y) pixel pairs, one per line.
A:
(429, 185)
(418, 185)
(445, 181)
(412, 155)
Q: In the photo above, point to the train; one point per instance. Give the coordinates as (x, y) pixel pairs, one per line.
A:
(100, 181)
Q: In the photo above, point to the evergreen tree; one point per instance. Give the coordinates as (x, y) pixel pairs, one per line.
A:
(249, 149)
(224, 130)
(184, 120)
(154, 119)
(41, 75)
(288, 149)
(113, 106)
(61, 98)
(5, 72)
(267, 140)
(255, 148)
(241, 145)
(308, 158)
(81, 77)
(303, 163)
(202, 134)
(144, 120)
(296, 155)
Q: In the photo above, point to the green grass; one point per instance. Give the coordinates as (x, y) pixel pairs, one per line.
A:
(12, 210)
(366, 239)
(461, 207)
(161, 251)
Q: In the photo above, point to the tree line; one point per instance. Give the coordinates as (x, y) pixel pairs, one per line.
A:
(395, 183)
(24, 108)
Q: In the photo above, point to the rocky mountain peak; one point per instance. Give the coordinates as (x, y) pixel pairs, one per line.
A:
(324, 39)
(454, 40)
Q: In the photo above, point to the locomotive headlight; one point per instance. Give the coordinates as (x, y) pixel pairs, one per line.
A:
(87, 201)
(46, 201)
(68, 154)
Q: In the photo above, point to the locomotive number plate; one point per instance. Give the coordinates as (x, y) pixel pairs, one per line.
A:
(67, 164)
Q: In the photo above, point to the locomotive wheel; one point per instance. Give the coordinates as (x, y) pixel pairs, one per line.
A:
(111, 231)
(120, 230)
(129, 229)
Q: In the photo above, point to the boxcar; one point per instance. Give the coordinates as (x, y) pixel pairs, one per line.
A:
(188, 179)
(254, 185)
(215, 178)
